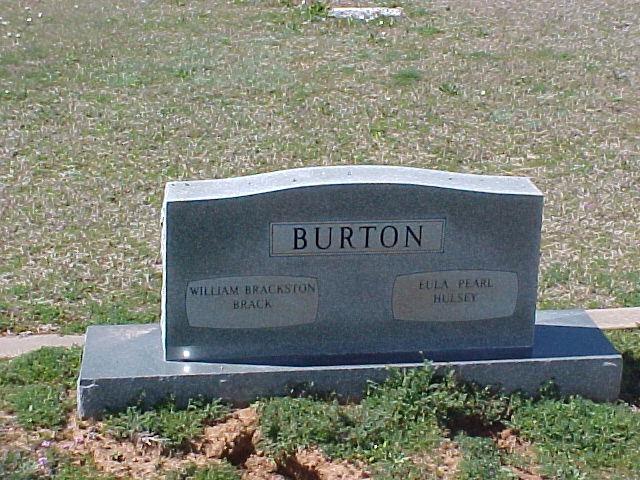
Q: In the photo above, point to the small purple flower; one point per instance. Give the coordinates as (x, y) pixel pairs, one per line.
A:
(43, 462)
(45, 444)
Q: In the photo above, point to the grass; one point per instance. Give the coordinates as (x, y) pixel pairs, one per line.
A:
(90, 130)
(222, 471)
(415, 411)
(49, 365)
(34, 386)
(17, 465)
(407, 77)
(627, 342)
(39, 406)
(173, 426)
(481, 459)
(574, 436)
(408, 417)
(195, 89)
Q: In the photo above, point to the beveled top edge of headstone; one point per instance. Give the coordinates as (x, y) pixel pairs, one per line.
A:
(345, 175)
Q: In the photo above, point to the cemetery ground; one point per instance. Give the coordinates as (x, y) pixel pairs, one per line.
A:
(101, 103)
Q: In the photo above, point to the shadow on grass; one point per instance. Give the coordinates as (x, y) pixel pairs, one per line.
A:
(627, 342)
(630, 391)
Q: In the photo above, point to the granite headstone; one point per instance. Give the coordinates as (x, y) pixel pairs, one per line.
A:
(343, 265)
(327, 276)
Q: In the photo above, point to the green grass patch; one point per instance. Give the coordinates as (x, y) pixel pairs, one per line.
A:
(414, 411)
(221, 471)
(481, 460)
(316, 10)
(575, 437)
(449, 88)
(17, 465)
(292, 423)
(407, 77)
(429, 31)
(38, 406)
(34, 386)
(409, 412)
(175, 426)
(49, 365)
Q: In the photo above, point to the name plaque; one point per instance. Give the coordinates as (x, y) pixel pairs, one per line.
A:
(344, 238)
(455, 295)
(252, 302)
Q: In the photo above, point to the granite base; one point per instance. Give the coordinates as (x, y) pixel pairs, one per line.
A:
(123, 365)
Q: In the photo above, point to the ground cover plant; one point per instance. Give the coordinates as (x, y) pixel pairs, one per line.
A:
(172, 426)
(418, 424)
(101, 103)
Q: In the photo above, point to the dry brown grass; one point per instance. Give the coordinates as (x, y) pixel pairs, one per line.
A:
(102, 103)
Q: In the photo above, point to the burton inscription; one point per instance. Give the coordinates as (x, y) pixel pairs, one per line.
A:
(334, 238)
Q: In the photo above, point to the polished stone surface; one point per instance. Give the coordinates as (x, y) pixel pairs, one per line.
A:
(124, 363)
(353, 264)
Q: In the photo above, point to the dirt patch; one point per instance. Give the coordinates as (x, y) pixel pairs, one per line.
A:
(509, 442)
(258, 467)
(144, 458)
(314, 465)
(147, 457)
(443, 462)
(233, 439)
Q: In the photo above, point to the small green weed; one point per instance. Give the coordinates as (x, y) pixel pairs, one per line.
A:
(184, 73)
(64, 467)
(221, 471)
(481, 460)
(407, 77)
(292, 423)
(39, 406)
(46, 313)
(175, 426)
(429, 30)
(315, 10)
(17, 465)
(449, 88)
(481, 32)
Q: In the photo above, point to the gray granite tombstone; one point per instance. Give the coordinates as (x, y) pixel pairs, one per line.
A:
(343, 265)
(328, 276)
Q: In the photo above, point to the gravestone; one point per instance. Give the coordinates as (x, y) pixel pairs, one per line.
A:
(326, 276)
(350, 264)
